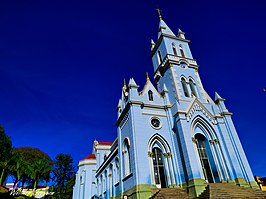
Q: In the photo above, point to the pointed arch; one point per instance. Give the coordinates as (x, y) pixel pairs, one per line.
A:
(160, 161)
(181, 51)
(205, 139)
(184, 86)
(174, 49)
(159, 141)
(126, 156)
(193, 87)
(204, 125)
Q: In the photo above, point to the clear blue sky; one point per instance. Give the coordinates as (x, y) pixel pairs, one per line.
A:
(62, 65)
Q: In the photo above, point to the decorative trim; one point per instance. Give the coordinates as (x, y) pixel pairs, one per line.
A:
(193, 140)
(197, 106)
(154, 114)
(150, 154)
(169, 59)
(211, 141)
(216, 141)
(157, 128)
(226, 113)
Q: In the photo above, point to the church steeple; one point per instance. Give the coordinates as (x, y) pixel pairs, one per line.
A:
(163, 28)
(172, 59)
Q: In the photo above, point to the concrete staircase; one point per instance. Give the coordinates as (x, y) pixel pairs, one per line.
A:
(170, 193)
(230, 191)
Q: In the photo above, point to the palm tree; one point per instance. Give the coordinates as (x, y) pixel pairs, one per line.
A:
(40, 170)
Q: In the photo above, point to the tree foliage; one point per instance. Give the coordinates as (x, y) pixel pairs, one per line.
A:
(31, 165)
(5, 153)
(63, 172)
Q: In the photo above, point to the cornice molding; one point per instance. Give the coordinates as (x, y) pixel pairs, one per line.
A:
(142, 105)
(174, 59)
(226, 113)
(87, 162)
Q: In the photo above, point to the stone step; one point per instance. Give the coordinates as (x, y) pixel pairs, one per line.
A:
(230, 191)
(170, 193)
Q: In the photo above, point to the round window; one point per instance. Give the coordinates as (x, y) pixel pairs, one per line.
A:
(156, 123)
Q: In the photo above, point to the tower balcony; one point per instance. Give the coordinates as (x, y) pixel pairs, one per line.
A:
(174, 59)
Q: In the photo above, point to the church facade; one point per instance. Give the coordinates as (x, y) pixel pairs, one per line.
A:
(171, 135)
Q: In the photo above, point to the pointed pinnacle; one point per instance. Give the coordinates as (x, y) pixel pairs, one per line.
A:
(125, 83)
(147, 76)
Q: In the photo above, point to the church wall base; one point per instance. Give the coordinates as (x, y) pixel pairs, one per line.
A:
(140, 191)
(242, 182)
(254, 185)
(196, 186)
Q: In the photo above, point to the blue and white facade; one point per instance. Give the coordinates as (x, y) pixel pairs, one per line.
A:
(171, 135)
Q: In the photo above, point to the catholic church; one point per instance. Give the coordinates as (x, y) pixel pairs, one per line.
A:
(172, 135)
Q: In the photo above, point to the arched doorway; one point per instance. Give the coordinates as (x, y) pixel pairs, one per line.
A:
(204, 159)
(158, 167)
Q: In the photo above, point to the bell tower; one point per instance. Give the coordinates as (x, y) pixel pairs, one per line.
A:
(174, 65)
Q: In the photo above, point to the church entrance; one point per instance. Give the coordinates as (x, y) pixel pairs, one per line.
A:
(158, 167)
(204, 160)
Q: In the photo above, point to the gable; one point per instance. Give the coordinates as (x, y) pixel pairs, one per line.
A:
(197, 106)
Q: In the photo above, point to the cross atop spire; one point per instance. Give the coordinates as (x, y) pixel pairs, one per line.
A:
(159, 13)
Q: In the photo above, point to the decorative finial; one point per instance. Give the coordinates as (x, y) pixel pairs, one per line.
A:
(125, 83)
(159, 13)
(147, 76)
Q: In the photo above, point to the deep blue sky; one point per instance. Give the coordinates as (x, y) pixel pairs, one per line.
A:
(62, 65)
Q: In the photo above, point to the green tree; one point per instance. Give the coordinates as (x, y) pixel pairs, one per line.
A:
(31, 163)
(62, 173)
(5, 153)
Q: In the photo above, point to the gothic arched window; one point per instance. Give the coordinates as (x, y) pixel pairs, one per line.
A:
(184, 85)
(160, 60)
(126, 157)
(193, 88)
(117, 174)
(181, 51)
(150, 94)
(174, 49)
